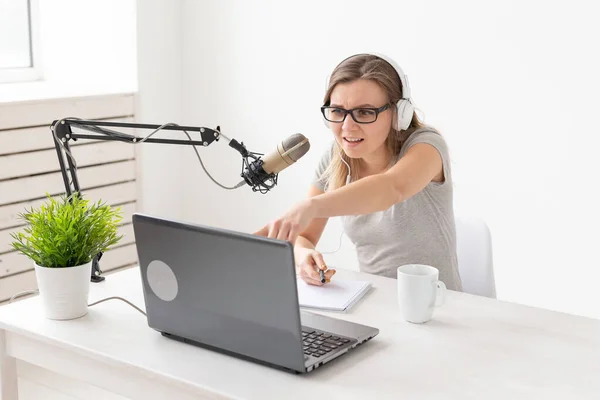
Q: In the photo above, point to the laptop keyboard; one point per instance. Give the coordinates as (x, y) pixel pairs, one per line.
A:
(318, 344)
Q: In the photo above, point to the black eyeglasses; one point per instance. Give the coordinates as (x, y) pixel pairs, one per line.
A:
(359, 115)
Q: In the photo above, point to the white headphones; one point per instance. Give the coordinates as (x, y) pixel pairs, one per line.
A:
(404, 106)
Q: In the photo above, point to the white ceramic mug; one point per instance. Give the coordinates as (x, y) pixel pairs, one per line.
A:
(419, 292)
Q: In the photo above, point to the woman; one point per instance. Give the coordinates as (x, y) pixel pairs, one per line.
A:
(386, 173)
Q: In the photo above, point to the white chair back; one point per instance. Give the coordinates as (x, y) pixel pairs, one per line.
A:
(475, 260)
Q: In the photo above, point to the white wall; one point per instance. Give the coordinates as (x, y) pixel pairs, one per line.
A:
(511, 84)
(160, 101)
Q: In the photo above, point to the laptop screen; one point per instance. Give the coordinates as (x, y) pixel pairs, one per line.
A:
(232, 291)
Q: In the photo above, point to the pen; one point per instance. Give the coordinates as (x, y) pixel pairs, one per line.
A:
(322, 275)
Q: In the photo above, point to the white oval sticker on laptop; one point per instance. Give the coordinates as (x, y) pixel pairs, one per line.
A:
(162, 280)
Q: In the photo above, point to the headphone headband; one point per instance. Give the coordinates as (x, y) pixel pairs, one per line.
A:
(403, 77)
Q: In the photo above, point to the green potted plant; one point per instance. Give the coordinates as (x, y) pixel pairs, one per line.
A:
(62, 237)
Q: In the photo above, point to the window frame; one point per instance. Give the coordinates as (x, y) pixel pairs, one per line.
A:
(33, 72)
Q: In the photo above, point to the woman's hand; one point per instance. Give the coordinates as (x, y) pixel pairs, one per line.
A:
(289, 226)
(311, 261)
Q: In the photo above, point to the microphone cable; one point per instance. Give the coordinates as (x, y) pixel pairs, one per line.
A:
(339, 244)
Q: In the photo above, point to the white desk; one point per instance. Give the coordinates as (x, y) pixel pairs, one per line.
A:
(475, 348)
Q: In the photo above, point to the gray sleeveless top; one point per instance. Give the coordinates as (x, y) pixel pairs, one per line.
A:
(419, 230)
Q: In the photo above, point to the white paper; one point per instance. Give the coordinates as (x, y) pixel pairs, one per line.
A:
(338, 295)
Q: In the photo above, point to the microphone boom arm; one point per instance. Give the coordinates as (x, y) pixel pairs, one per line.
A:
(63, 133)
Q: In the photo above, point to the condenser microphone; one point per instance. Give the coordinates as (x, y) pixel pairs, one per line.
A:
(262, 173)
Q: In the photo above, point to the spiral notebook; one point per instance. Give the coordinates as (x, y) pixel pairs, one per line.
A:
(338, 295)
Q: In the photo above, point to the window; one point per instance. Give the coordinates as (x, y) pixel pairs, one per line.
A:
(19, 55)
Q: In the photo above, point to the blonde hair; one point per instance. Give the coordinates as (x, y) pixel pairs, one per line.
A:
(366, 66)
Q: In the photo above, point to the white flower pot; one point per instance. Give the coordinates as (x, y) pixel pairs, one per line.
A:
(64, 291)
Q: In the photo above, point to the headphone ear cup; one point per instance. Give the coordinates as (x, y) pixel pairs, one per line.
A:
(405, 114)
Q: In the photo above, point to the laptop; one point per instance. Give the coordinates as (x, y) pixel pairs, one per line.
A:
(234, 293)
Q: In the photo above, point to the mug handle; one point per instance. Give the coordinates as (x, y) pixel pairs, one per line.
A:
(440, 298)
